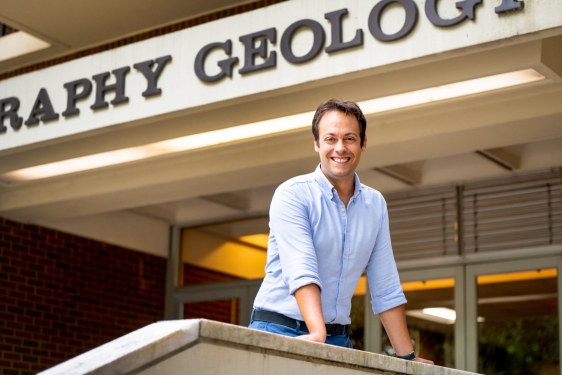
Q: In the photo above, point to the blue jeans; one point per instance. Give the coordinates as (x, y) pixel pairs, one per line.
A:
(340, 340)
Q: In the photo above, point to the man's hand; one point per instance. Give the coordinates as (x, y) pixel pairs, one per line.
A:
(315, 337)
(394, 322)
(308, 299)
(421, 360)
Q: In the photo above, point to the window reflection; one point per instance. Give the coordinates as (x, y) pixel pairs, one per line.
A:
(518, 332)
(357, 314)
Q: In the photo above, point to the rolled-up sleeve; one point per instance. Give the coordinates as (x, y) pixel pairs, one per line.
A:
(290, 225)
(384, 282)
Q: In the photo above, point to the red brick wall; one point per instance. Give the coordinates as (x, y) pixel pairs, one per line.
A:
(193, 275)
(61, 295)
(226, 311)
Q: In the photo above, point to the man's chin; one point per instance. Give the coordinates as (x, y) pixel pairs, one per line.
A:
(340, 166)
(338, 170)
(340, 174)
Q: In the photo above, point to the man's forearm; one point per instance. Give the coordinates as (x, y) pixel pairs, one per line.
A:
(394, 322)
(310, 305)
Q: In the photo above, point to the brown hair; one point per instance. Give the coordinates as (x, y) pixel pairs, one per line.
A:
(347, 107)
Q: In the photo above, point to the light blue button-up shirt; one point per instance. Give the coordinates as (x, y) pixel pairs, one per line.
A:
(315, 239)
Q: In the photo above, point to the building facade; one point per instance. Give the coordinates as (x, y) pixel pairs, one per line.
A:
(140, 145)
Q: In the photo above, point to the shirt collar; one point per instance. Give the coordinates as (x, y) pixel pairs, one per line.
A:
(328, 188)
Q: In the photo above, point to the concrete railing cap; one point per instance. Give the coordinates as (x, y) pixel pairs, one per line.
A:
(154, 343)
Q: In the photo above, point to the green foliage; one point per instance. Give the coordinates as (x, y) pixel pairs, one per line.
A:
(518, 347)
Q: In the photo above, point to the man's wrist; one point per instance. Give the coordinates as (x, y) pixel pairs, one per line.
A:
(319, 334)
(408, 357)
(320, 330)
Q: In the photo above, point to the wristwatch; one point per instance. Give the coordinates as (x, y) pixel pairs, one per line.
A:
(408, 357)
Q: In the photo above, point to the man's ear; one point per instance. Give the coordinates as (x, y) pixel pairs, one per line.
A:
(316, 145)
(364, 144)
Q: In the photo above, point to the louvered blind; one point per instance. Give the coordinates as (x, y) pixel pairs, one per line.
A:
(513, 212)
(422, 223)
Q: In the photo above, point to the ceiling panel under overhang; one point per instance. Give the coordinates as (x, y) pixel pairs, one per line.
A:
(71, 26)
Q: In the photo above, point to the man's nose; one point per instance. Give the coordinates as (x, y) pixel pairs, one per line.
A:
(340, 147)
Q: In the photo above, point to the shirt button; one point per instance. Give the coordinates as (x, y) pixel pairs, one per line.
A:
(345, 257)
(343, 210)
(341, 279)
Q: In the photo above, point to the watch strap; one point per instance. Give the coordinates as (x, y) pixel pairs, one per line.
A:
(408, 357)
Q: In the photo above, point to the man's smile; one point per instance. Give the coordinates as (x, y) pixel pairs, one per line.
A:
(341, 160)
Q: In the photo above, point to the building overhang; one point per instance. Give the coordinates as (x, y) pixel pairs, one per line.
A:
(427, 56)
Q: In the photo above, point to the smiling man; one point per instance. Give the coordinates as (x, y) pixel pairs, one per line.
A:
(326, 230)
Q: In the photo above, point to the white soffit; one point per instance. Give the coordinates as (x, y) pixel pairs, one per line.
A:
(20, 43)
(277, 125)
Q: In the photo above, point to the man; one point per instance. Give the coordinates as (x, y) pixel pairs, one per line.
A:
(326, 229)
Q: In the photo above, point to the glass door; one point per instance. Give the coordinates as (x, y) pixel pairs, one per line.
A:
(513, 317)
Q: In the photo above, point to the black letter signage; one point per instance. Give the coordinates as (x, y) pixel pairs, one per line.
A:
(250, 50)
(337, 34)
(42, 106)
(287, 39)
(73, 96)
(409, 23)
(508, 5)
(12, 113)
(118, 87)
(467, 7)
(151, 76)
(226, 64)
(258, 55)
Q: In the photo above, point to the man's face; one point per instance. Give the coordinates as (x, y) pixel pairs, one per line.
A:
(339, 145)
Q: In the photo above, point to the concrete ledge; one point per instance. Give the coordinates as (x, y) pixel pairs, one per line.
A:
(202, 346)
(133, 351)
